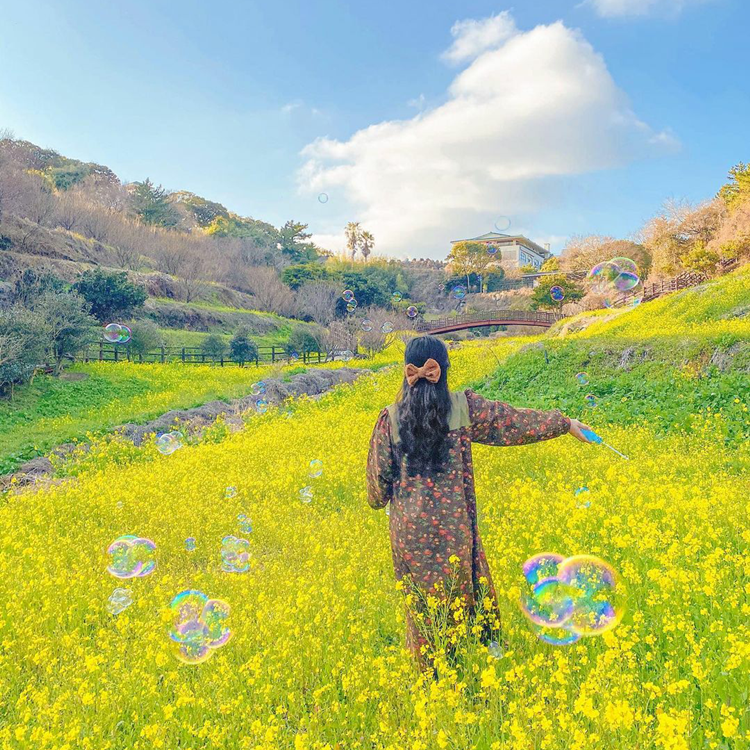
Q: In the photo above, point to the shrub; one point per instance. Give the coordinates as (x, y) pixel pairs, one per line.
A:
(145, 337)
(214, 346)
(242, 348)
(66, 324)
(302, 340)
(21, 346)
(110, 295)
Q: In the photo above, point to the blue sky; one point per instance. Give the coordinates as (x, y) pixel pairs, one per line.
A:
(583, 126)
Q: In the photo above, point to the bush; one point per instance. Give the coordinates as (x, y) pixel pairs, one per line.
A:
(30, 285)
(145, 337)
(242, 348)
(110, 295)
(302, 340)
(21, 346)
(213, 346)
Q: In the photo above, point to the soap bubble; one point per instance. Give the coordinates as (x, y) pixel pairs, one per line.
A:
(591, 401)
(557, 293)
(323, 198)
(190, 544)
(351, 306)
(245, 524)
(614, 279)
(131, 557)
(258, 389)
(412, 311)
(348, 295)
(495, 650)
(366, 324)
(458, 292)
(112, 333)
(396, 297)
(125, 334)
(582, 497)
(502, 223)
(582, 597)
(235, 555)
(386, 327)
(316, 468)
(119, 601)
(582, 378)
(261, 406)
(230, 492)
(306, 494)
(168, 442)
(199, 625)
(492, 249)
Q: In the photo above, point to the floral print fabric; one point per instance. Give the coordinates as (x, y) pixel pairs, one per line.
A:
(433, 518)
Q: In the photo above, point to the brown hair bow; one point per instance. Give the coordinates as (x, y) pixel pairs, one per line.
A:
(430, 371)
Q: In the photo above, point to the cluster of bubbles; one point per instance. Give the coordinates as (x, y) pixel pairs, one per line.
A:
(258, 390)
(568, 598)
(235, 555)
(168, 442)
(245, 524)
(612, 279)
(199, 625)
(119, 601)
(117, 333)
(131, 556)
(351, 302)
(557, 293)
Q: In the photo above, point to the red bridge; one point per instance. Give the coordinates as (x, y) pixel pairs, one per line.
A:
(491, 318)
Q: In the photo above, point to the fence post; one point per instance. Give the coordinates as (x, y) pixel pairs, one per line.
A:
(222, 360)
(183, 353)
(101, 351)
(162, 354)
(117, 354)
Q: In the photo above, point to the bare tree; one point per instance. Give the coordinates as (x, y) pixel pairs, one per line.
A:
(318, 300)
(269, 291)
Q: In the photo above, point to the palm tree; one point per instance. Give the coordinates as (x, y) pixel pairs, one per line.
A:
(366, 244)
(353, 234)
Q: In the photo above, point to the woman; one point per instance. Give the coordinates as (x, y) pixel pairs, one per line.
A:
(420, 462)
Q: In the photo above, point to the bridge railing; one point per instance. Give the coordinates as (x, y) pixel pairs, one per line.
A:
(503, 317)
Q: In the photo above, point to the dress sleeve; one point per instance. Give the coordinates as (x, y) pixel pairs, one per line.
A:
(380, 464)
(498, 423)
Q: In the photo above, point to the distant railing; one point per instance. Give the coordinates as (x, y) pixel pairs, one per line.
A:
(106, 352)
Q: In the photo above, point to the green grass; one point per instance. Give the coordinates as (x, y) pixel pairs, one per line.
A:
(51, 411)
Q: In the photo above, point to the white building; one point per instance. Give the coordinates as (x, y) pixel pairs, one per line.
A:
(513, 250)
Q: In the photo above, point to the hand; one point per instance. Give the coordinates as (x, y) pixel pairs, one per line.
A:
(575, 430)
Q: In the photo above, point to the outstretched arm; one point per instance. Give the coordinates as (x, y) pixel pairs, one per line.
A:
(498, 423)
(380, 464)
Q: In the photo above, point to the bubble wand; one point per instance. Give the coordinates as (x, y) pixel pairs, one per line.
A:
(594, 438)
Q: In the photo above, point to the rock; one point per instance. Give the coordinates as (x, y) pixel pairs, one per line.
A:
(37, 466)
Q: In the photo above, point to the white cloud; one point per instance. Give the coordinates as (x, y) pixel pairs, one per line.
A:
(614, 8)
(537, 106)
(418, 102)
(472, 37)
(291, 106)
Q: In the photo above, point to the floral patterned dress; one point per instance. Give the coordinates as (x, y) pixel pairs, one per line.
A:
(433, 518)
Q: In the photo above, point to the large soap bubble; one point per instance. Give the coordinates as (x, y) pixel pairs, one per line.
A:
(117, 333)
(168, 442)
(119, 601)
(616, 280)
(131, 556)
(199, 625)
(568, 598)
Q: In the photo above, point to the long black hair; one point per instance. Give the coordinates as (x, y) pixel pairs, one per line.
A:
(424, 409)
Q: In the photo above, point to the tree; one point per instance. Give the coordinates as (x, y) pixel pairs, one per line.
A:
(737, 191)
(366, 244)
(214, 346)
(110, 295)
(152, 204)
(699, 258)
(269, 292)
(21, 346)
(293, 242)
(295, 276)
(145, 336)
(468, 257)
(353, 234)
(551, 264)
(302, 340)
(242, 348)
(29, 285)
(66, 323)
(317, 300)
(541, 297)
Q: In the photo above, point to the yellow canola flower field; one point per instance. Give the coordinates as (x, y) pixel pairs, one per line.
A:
(316, 659)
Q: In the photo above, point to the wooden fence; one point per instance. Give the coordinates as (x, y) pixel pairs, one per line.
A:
(107, 352)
